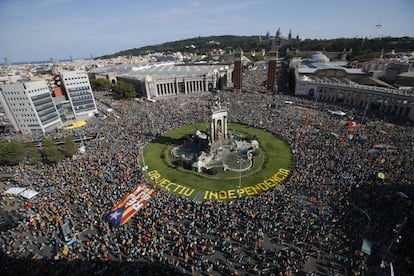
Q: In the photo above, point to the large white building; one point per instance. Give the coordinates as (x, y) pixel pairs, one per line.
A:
(79, 93)
(160, 80)
(30, 107)
(322, 80)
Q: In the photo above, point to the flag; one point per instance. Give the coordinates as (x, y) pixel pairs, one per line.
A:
(366, 246)
(65, 250)
(352, 124)
(122, 211)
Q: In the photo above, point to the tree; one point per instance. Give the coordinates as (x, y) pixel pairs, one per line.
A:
(69, 148)
(33, 155)
(130, 92)
(124, 89)
(100, 84)
(11, 153)
(50, 151)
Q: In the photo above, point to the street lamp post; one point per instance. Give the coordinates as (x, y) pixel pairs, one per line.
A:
(238, 188)
(397, 234)
(144, 167)
(365, 112)
(364, 212)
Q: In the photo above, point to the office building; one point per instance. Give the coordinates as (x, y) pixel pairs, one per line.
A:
(30, 107)
(78, 91)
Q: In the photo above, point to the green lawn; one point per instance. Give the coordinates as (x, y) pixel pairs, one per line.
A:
(274, 158)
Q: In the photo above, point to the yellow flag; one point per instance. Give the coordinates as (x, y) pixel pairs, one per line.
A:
(65, 251)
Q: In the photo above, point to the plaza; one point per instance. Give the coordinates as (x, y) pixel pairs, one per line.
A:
(307, 224)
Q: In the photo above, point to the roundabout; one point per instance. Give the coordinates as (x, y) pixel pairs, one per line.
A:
(270, 164)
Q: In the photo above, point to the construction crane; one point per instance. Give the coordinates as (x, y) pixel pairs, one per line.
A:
(378, 26)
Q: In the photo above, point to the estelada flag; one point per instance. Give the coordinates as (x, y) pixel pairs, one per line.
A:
(352, 124)
(122, 211)
(65, 250)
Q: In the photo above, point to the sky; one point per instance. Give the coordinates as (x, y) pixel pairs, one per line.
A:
(37, 30)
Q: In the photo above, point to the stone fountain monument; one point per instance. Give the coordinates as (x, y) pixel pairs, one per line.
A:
(220, 147)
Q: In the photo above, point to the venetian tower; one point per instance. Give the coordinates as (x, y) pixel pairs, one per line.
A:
(271, 69)
(238, 70)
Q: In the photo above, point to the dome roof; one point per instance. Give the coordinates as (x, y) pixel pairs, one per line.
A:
(319, 57)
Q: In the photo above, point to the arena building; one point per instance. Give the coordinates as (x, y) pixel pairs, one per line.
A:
(161, 80)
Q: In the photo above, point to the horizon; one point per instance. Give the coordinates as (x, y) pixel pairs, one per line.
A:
(154, 45)
(61, 29)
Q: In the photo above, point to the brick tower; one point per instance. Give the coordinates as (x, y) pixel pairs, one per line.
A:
(271, 69)
(238, 70)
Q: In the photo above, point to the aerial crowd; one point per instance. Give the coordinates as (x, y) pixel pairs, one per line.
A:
(332, 201)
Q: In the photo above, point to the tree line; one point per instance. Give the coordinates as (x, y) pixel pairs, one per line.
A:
(13, 153)
(120, 88)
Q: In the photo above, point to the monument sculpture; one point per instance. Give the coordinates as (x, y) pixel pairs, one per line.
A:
(219, 147)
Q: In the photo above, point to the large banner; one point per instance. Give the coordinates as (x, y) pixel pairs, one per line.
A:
(122, 211)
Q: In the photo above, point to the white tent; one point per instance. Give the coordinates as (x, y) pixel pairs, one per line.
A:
(14, 190)
(337, 112)
(28, 193)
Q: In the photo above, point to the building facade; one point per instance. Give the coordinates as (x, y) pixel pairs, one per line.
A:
(322, 80)
(79, 93)
(30, 107)
(162, 80)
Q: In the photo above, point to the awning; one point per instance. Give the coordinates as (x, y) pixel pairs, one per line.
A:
(28, 193)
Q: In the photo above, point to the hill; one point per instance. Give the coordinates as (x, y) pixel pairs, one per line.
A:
(197, 44)
(362, 48)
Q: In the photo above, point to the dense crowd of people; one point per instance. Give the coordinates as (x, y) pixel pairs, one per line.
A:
(332, 201)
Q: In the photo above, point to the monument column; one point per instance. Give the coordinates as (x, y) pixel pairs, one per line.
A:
(212, 130)
(225, 127)
(218, 121)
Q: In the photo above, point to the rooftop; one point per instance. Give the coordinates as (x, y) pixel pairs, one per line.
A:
(161, 70)
(306, 67)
